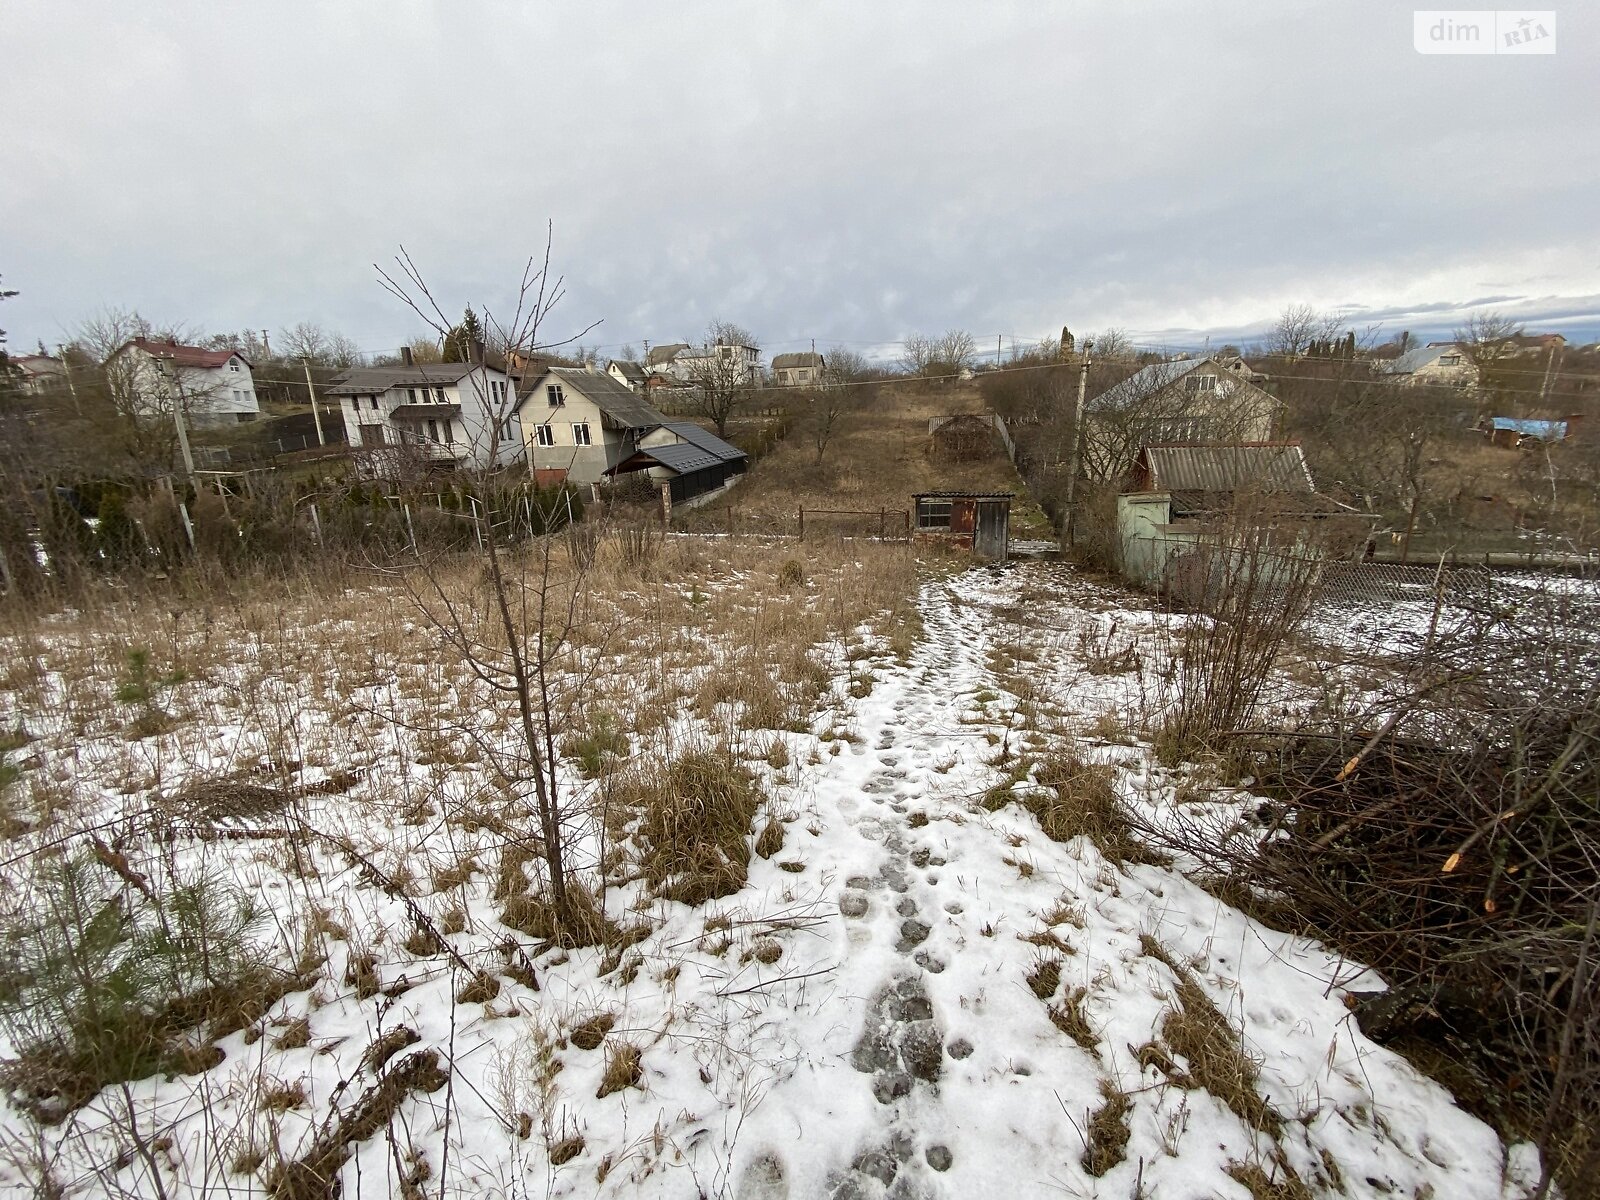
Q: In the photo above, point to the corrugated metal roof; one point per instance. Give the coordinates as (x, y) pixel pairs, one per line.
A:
(683, 458)
(1275, 467)
(366, 380)
(963, 495)
(619, 405)
(705, 440)
(630, 370)
(1143, 384)
(664, 354)
(804, 358)
(422, 412)
(1549, 431)
(1414, 360)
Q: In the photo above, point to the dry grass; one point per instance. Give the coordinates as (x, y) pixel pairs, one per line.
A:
(1108, 1131)
(1281, 1183)
(624, 1069)
(879, 459)
(695, 816)
(1080, 800)
(1196, 1029)
(1070, 1018)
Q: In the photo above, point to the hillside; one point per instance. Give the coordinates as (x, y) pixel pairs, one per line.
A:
(878, 458)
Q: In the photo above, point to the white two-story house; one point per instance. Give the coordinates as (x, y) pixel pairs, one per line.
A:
(578, 424)
(441, 413)
(153, 376)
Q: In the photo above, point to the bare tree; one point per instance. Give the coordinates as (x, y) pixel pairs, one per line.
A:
(844, 366)
(723, 372)
(1487, 337)
(1298, 326)
(937, 357)
(534, 626)
(1112, 345)
(322, 348)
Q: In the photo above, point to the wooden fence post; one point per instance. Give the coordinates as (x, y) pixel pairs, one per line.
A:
(802, 523)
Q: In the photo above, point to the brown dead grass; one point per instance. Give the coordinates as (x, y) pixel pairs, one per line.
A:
(1080, 800)
(695, 816)
(1108, 1131)
(877, 461)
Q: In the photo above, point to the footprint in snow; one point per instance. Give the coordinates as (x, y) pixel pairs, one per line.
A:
(902, 1043)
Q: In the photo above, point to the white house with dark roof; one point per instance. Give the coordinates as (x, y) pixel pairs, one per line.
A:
(577, 424)
(630, 375)
(801, 369)
(441, 413)
(212, 387)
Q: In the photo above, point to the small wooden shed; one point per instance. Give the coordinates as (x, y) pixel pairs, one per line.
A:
(976, 521)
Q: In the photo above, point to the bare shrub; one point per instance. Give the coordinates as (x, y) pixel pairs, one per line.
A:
(1253, 576)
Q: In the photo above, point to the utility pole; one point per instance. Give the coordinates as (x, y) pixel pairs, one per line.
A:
(997, 350)
(1076, 461)
(72, 385)
(175, 394)
(315, 415)
(266, 344)
(1549, 366)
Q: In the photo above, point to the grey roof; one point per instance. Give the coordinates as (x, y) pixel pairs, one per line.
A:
(1263, 466)
(365, 380)
(421, 412)
(632, 370)
(664, 354)
(683, 459)
(619, 405)
(1143, 384)
(699, 449)
(703, 438)
(1414, 360)
(804, 358)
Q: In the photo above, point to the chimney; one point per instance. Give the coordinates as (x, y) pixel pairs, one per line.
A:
(479, 349)
(406, 358)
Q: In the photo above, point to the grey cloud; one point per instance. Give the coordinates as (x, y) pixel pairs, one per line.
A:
(843, 171)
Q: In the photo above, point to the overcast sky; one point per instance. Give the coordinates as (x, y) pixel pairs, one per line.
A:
(849, 172)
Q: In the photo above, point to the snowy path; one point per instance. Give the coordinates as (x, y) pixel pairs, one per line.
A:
(920, 994)
(932, 1067)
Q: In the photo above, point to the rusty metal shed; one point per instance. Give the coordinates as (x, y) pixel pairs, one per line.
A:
(976, 521)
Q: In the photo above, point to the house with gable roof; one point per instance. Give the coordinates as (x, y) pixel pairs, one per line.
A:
(211, 387)
(578, 424)
(439, 413)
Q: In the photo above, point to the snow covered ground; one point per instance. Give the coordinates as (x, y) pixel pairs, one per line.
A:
(921, 994)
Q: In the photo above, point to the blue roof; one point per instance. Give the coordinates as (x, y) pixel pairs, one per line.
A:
(1549, 431)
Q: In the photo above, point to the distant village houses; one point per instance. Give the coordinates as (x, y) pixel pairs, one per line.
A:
(41, 373)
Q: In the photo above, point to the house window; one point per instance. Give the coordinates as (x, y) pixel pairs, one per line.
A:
(555, 395)
(433, 430)
(1450, 360)
(1202, 383)
(372, 435)
(233, 366)
(374, 404)
(580, 434)
(933, 514)
(411, 395)
(544, 435)
(438, 395)
(449, 433)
